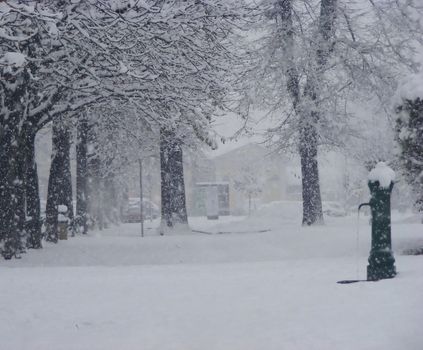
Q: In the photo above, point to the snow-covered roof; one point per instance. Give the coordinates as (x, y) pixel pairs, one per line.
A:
(382, 173)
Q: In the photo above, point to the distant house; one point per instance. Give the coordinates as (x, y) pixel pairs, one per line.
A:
(250, 171)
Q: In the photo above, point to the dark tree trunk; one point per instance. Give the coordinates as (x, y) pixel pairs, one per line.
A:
(7, 223)
(51, 233)
(326, 31)
(312, 203)
(178, 188)
(19, 192)
(12, 192)
(19, 197)
(166, 210)
(81, 175)
(32, 194)
(12, 213)
(60, 182)
(173, 200)
(308, 147)
(94, 192)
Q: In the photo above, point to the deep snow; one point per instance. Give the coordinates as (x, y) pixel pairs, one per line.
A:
(269, 290)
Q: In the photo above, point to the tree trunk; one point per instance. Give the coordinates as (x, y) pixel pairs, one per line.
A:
(94, 194)
(81, 175)
(312, 203)
(7, 227)
(173, 205)
(326, 31)
(284, 20)
(309, 117)
(11, 188)
(166, 210)
(59, 183)
(12, 201)
(308, 142)
(19, 191)
(178, 187)
(32, 194)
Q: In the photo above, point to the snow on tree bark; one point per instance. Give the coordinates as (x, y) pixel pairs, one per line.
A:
(309, 137)
(81, 175)
(312, 202)
(14, 90)
(32, 194)
(305, 105)
(173, 202)
(60, 183)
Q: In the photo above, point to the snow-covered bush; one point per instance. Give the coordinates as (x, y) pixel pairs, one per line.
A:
(409, 127)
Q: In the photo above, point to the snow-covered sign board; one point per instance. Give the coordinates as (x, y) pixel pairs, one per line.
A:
(382, 173)
(410, 89)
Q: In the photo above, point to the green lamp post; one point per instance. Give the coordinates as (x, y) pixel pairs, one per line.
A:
(381, 259)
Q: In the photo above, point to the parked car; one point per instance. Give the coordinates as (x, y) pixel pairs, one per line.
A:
(133, 213)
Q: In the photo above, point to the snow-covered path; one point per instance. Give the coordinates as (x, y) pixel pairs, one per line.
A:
(269, 290)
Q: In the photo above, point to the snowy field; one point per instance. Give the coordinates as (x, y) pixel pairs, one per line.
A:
(265, 283)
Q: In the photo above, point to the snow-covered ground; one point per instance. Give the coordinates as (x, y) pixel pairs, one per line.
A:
(265, 283)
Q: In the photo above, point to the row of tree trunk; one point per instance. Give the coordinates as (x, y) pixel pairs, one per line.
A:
(95, 192)
(20, 211)
(19, 201)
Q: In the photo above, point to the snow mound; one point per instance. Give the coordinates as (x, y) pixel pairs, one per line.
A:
(382, 173)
